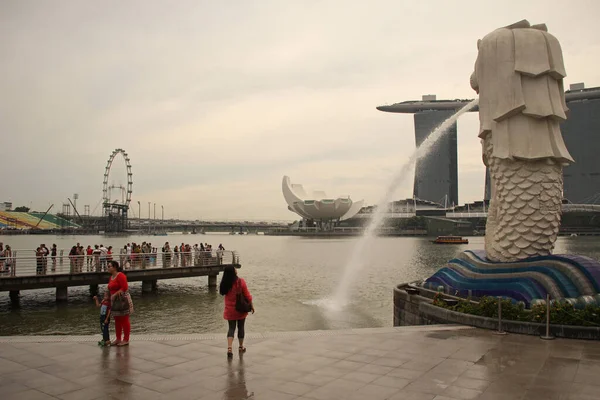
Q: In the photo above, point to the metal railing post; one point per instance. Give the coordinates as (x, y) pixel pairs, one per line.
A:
(547, 336)
(500, 331)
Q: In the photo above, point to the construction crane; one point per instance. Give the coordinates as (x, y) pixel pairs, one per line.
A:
(44, 216)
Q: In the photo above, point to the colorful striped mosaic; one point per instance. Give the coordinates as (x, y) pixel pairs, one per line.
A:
(574, 278)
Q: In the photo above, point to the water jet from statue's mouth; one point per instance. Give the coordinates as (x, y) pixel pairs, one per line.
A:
(356, 261)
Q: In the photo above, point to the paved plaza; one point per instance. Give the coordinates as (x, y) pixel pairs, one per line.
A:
(409, 363)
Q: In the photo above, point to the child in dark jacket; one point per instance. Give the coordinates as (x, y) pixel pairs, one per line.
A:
(104, 318)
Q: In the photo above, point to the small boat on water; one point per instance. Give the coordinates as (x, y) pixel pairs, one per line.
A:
(451, 240)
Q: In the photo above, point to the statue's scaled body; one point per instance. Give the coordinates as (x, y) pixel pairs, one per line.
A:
(519, 77)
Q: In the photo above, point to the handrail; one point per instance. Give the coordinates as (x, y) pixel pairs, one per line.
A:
(16, 266)
(416, 285)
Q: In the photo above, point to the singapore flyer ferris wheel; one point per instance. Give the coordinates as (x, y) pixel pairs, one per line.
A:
(125, 190)
(115, 210)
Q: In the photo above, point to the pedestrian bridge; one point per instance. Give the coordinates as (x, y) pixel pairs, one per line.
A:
(24, 273)
(566, 208)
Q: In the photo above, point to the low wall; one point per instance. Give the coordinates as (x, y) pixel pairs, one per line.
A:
(407, 310)
(417, 309)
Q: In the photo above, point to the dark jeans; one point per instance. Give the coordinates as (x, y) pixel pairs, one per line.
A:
(104, 328)
(240, 326)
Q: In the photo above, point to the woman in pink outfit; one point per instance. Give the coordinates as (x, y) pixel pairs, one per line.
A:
(230, 286)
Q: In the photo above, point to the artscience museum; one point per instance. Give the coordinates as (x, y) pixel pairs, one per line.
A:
(317, 206)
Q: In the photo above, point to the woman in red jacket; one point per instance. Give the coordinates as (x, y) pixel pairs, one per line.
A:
(231, 285)
(118, 286)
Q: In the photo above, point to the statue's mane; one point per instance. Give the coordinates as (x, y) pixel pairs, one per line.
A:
(525, 24)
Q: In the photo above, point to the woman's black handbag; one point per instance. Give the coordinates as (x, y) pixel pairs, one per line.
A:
(241, 302)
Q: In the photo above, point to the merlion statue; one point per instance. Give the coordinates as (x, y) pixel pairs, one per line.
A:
(519, 78)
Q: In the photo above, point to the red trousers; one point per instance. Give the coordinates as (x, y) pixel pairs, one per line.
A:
(122, 325)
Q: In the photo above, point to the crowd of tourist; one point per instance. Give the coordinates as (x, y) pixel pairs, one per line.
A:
(131, 256)
(5, 258)
(42, 253)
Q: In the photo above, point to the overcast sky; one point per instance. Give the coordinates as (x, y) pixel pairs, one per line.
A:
(216, 101)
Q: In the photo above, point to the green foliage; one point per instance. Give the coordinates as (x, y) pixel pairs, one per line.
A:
(561, 313)
(22, 209)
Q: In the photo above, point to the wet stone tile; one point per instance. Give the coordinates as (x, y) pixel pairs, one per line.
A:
(375, 369)
(389, 362)
(30, 394)
(8, 366)
(469, 383)
(363, 358)
(10, 388)
(423, 364)
(172, 360)
(405, 373)
(392, 382)
(374, 392)
(90, 393)
(361, 377)
(348, 365)
(405, 395)
(459, 364)
(458, 392)
(295, 388)
(315, 379)
(59, 388)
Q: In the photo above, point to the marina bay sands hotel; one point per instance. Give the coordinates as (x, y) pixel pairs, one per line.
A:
(436, 175)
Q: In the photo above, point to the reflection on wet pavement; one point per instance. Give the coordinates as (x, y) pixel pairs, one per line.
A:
(419, 363)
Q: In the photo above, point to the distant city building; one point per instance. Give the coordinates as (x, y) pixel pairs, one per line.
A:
(5, 206)
(317, 206)
(406, 208)
(436, 175)
(581, 132)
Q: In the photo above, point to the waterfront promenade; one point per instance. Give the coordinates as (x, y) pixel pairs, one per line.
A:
(407, 363)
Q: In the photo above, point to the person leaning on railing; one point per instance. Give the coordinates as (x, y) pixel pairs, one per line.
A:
(80, 258)
(2, 258)
(39, 261)
(9, 262)
(53, 254)
(73, 259)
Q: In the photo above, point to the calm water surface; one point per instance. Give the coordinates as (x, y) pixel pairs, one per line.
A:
(286, 275)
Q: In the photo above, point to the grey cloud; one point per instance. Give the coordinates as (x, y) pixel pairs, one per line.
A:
(80, 78)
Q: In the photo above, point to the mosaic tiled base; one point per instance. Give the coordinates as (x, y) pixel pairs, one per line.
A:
(574, 278)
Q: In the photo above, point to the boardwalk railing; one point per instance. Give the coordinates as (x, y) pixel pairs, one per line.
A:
(19, 266)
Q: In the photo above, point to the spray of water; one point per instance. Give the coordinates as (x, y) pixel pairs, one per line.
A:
(340, 298)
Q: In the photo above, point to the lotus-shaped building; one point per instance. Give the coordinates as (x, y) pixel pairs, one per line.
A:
(317, 206)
